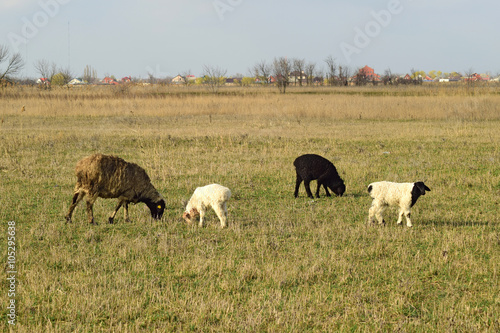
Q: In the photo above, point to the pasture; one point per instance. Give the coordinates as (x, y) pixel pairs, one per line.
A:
(284, 264)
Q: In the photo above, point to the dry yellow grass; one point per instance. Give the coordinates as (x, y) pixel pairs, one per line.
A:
(284, 264)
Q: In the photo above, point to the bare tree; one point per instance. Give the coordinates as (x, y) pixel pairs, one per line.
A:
(416, 77)
(389, 78)
(151, 78)
(281, 70)
(14, 63)
(45, 69)
(214, 77)
(67, 74)
(89, 74)
(309, 71)
(262, 71)
(188, 75)
(344, 74)
(298, 66)
(331, 70)
(470, 81)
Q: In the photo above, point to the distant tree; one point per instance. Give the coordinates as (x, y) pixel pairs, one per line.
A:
(14, 63)
(214, 77)
(45, 69)
(58, 79)
(89, 74)
(298, 66)
(343, 76)
(389, 78)
(262, 71)
(432, 74)
(187, 78)
(309, 72)
(67, 74)
(281, 72)
(470, 81)
(247, 81)
(151, 78)
(331, 70)
(319, 76)
(416, 76)
(199, 81)
(455, 75)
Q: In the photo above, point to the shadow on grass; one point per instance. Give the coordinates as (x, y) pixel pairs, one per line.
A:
(454, 223)
(357, 195)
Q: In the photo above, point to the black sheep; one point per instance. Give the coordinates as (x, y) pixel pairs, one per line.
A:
(310, 167)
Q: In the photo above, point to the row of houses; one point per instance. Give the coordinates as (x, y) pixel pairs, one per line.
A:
(365, 74)
(79, 81)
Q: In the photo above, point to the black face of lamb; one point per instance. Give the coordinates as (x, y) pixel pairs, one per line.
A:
(156, 208)
(419, 189)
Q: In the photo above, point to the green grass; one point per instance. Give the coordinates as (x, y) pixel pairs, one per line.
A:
(284, 264)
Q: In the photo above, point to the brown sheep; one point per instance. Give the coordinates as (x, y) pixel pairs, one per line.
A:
(107, 176)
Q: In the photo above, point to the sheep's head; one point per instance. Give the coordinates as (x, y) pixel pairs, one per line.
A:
(419, 189)
(338, 188)
(188, 216)
(156, 208)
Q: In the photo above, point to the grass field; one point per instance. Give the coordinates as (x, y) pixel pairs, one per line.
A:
(284, 264)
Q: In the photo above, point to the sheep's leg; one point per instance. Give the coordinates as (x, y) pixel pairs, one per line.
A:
(326, 190)
(112, 217)
(376, 211)
(308, 188)
(297, 185)
(379, 216)
(321, 181)
(90, 212)
(202, 216)
(77, 197)
(318, 188)
(221, 212)
(125, 212)
(371, 214)
(407, 214)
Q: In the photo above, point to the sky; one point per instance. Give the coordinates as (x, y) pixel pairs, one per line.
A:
(166, 38)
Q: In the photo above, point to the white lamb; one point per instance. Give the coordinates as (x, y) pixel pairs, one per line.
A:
(214, 196)
(385, 194)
